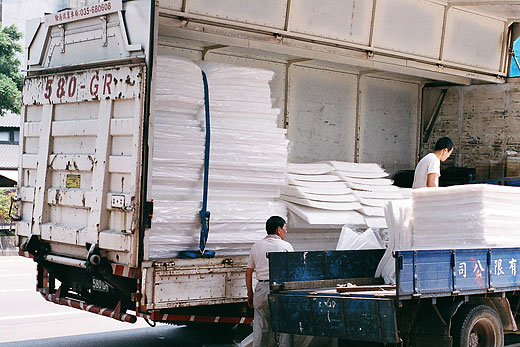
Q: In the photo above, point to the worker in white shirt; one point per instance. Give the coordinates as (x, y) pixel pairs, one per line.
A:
(274, 242)
(428, 169)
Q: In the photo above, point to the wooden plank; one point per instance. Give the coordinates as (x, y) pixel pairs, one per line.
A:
(122, 127)
(365, 292)
(68, 197)
(122, 164)
(71, 162)
(77, 127)
(29, 161)
(98, 216)
(39, 212)
(374, 293)
(330, 283)
(371, 288)
(30, 129)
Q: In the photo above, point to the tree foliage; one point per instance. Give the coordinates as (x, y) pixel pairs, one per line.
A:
(6, 194)
(11, 80)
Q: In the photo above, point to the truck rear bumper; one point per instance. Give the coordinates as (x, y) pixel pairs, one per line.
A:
(91, 308)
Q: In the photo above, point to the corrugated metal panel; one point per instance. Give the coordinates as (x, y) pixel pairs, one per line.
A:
(322, 109)
(347, 20)
(10, 119)
(388, 122)
(409, 26)
(473, 40)
(9, 155)
(269, 13)
(503, 9)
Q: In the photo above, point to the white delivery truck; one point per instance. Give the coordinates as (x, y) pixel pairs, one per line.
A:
(349, 80)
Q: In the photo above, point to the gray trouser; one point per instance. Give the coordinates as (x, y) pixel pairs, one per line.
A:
(262, 334)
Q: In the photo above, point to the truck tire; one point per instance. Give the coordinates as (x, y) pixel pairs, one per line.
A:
(477, 326)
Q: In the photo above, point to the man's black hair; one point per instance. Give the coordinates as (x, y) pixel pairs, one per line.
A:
(444, 142)
(273, 223)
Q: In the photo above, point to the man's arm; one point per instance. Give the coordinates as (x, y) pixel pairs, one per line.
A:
(430, 180)
(249, 285)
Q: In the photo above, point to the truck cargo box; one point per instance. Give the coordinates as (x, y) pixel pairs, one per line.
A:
(91, 97)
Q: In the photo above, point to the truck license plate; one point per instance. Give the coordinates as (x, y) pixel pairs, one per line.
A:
(99, 285)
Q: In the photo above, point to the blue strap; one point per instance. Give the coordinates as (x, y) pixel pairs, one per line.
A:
(204, 214)
(195, 255)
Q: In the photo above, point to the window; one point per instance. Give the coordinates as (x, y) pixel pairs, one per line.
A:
(5, 136)
(9, 135)
(514, 71)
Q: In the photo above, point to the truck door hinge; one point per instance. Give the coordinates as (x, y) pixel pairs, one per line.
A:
(62, 31)
(227, 261)
(136, 297)
(104, 19)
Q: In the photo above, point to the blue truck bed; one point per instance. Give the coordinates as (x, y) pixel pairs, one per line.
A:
(305, 297)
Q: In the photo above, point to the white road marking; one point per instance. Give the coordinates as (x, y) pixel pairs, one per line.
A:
(17, 290)
(29, 316)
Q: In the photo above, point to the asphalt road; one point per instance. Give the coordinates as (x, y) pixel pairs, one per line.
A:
(27, 319)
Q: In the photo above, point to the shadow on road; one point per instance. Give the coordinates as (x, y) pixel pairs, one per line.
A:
(164, 335)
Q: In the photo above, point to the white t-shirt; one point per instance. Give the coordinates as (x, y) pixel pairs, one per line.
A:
(427, 165)
(258, 256)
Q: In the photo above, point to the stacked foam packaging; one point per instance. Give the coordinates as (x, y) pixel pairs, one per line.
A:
(338, 198)
(247, 161)
(373, 190)
(467, 216)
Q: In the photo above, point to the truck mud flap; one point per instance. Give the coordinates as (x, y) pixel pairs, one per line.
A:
(362, 319)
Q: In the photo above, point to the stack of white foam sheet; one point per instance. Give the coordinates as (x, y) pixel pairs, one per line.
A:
(248, 158)
(369, 184)
(313, 193)
(399, 218)
(319, 205)
(466, 216)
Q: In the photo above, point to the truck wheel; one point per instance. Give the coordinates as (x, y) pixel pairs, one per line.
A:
(477, 326)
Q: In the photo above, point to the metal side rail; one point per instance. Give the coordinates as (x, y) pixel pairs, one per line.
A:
(438, 273)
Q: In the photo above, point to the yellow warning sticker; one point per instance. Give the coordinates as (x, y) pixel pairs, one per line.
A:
(73, 181)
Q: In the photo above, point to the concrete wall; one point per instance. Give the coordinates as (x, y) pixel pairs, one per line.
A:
(482, 120)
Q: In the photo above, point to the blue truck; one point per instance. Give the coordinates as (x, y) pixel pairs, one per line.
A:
(462, 297)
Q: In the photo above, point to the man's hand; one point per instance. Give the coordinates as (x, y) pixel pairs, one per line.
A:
(249, 286)
(431, 180)
(250, 299)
